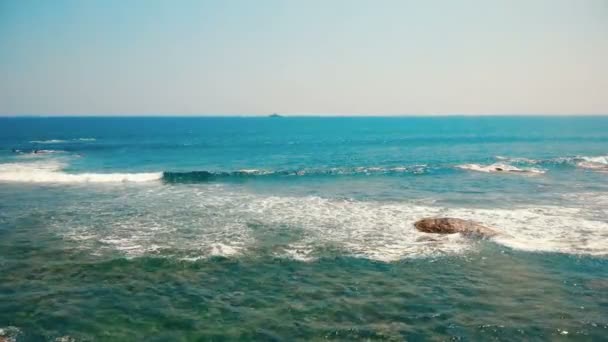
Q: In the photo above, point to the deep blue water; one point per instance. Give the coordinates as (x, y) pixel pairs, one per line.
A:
(302, 228)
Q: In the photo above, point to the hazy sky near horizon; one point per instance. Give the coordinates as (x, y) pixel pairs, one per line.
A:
(303, 57)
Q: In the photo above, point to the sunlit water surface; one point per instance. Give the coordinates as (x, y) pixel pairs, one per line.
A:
(302, 228)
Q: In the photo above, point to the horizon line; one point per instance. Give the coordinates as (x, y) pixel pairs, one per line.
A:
(297, 115)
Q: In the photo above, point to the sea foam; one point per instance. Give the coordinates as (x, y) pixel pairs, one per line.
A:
(596, 160)
(500, 167)
(50, 141)
(61, 141)
(51, 171)
(599, 163)
(205, 221)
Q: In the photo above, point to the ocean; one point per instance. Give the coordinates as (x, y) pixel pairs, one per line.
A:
(301, 228)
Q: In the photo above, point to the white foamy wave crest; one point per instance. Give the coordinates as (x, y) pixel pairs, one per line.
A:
(500, 167)
(597, 160)
(60, 141)
(599, 163)
(254, 172)
(208, 221)
(50, 141)
(48, 151)
(593, 166)
(52, 172)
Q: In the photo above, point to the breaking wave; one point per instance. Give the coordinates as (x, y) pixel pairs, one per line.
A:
(52, 172)
(60, 141)
(500, 167)
(209, 176)
(50, 141)
(599, 163)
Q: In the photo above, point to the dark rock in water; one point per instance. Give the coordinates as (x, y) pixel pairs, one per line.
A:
(275, 115)
(448, 225)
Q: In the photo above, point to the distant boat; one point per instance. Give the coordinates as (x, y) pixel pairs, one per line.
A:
(275, 115)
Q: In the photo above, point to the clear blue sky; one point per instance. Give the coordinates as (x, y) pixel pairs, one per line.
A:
(303, 57)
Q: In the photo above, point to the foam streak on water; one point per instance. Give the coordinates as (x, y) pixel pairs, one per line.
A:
(212, 220)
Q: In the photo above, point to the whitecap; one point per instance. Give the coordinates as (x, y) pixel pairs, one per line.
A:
(51, 171)
(596, 160)
(593, 166)
(500, 167)
(50, 141)
(60, 141)
(254, 172)
(598, 163)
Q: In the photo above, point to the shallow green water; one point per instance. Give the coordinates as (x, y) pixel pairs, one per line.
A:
(48, 290)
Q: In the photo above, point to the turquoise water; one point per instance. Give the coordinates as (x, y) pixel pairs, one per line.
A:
(302, 228)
